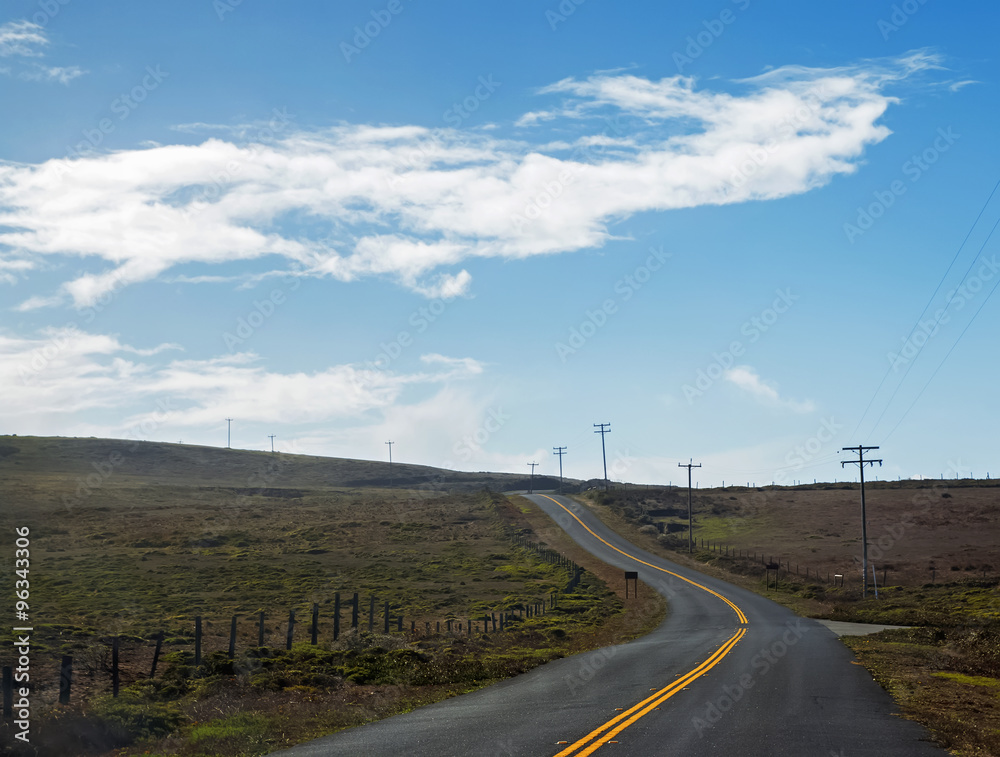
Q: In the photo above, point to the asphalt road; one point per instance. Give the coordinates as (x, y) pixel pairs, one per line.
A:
(727, 672)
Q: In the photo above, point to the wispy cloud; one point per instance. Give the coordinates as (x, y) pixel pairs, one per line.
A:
(60, 74)
(26, 39)
(415, 204)
(747, 379)
(22, 38)
(65, 372)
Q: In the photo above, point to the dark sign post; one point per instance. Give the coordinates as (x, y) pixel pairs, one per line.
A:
(631, 575)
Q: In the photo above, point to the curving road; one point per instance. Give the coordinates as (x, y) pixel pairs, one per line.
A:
(727, 672)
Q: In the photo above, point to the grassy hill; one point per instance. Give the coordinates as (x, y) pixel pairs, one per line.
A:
(61, 465)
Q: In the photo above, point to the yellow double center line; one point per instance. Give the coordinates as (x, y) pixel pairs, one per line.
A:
(601, 735)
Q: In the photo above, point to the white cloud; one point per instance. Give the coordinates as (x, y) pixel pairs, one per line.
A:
(414, 204)
(65, 373)
(746, 378)
(61, 74)
(22, 38)
(26, 39)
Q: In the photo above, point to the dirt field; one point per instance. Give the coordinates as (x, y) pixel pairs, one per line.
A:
(918, 531)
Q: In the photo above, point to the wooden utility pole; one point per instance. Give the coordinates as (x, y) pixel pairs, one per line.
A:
(560, 451)
(390, 443)
(861, 463)
(531, 481)
(689, 466)
(602, 431)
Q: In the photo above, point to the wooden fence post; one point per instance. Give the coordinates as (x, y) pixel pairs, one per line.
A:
(291, 629)
(354, 612)
(336, 616)
(114, 667)
(197, 640)
(315, 624)
(65, 678)
(156, 654)
(8, 692)
(260, 631)
(371, 614)
(232, 638)
(386, 622)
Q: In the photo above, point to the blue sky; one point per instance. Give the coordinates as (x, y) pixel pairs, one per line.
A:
(477, 229)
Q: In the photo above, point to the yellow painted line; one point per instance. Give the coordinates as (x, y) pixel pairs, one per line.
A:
(737, 610)
(649, 704)
(596, 738)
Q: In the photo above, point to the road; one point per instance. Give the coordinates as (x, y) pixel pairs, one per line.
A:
(727, 672)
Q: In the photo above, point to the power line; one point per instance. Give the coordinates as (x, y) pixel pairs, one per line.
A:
(861, 463)
(945, 358)
(689, 465)
(920, 351)
(561, 451)
(604, 455)
(929, 302)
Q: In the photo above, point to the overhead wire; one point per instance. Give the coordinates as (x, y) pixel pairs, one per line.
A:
(913, 362)
(927, 306)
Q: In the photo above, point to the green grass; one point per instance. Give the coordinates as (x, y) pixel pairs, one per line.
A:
(176, 532)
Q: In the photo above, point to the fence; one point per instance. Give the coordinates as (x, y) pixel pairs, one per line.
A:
(769, 563)
(379, 615)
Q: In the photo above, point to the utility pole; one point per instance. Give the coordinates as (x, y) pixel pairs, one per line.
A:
(531, 481)
(229, 433)
(560, 451)
(861, 463)
(271, 437)
(689, 465)
(602, 431)
(390, 443)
